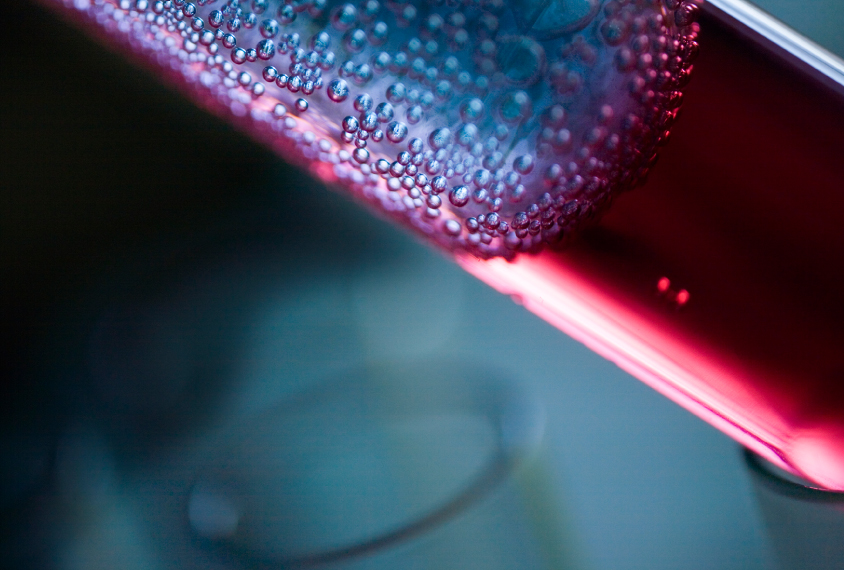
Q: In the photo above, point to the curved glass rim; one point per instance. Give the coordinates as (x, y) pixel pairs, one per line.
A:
(519, 422)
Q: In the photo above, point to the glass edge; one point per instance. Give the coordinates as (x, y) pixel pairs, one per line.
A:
(775, 482)
(758, 25)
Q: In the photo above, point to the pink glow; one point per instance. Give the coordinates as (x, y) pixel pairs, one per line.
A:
(719, 282)
(573, 305)
(744, 213)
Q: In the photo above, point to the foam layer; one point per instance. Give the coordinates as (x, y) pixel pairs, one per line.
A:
(491, 126)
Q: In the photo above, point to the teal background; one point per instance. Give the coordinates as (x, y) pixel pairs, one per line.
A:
(819, 20)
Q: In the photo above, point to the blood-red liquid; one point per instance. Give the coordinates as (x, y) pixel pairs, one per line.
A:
(720, 283)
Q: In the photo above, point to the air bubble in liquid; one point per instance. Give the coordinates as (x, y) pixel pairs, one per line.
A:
(517, 111)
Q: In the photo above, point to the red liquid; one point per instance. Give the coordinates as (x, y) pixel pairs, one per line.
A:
(719, 282)
(744, 216)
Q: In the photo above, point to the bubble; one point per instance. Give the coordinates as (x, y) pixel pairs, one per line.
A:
(439, 138)
(615, 31)
(426, 99)
(384, 112)
(338, 90)
(363, 103)
(400, 63)
(553, 173)
(350, 124)
(286, 14)
(260, 6)
(369, 121)
(355, 40)
(363, 73)
(415, 146)
(229, 41)
(433, 201)
(269, 74)
(379, 33)
(414, 114)
(451, 66)
(452, 227)
(266, 49)
(269, 28)
(301, 105)
(238, 55)
(562, 139)
(344, 17)
(516, 106)
(361, 155)
(523, 164)
(467, 135)
(520, 221)
(320, 41)
(439, 184)
(381, 62)
(492, 221)
(686, 14)
(471, 110)
(459, 196)
(317, 7)
(396, 131)
(482, 178)
(233, 25)
(408, 14)
(370, 9)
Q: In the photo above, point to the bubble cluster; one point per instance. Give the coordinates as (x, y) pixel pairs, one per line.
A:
(491, 126)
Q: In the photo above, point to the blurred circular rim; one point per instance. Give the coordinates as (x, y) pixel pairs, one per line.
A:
(519, 421)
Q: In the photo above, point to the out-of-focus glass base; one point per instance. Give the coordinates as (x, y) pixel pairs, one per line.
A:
(805, 523)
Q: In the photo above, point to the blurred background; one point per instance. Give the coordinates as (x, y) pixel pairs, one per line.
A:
(195, 378)
(819, 20)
